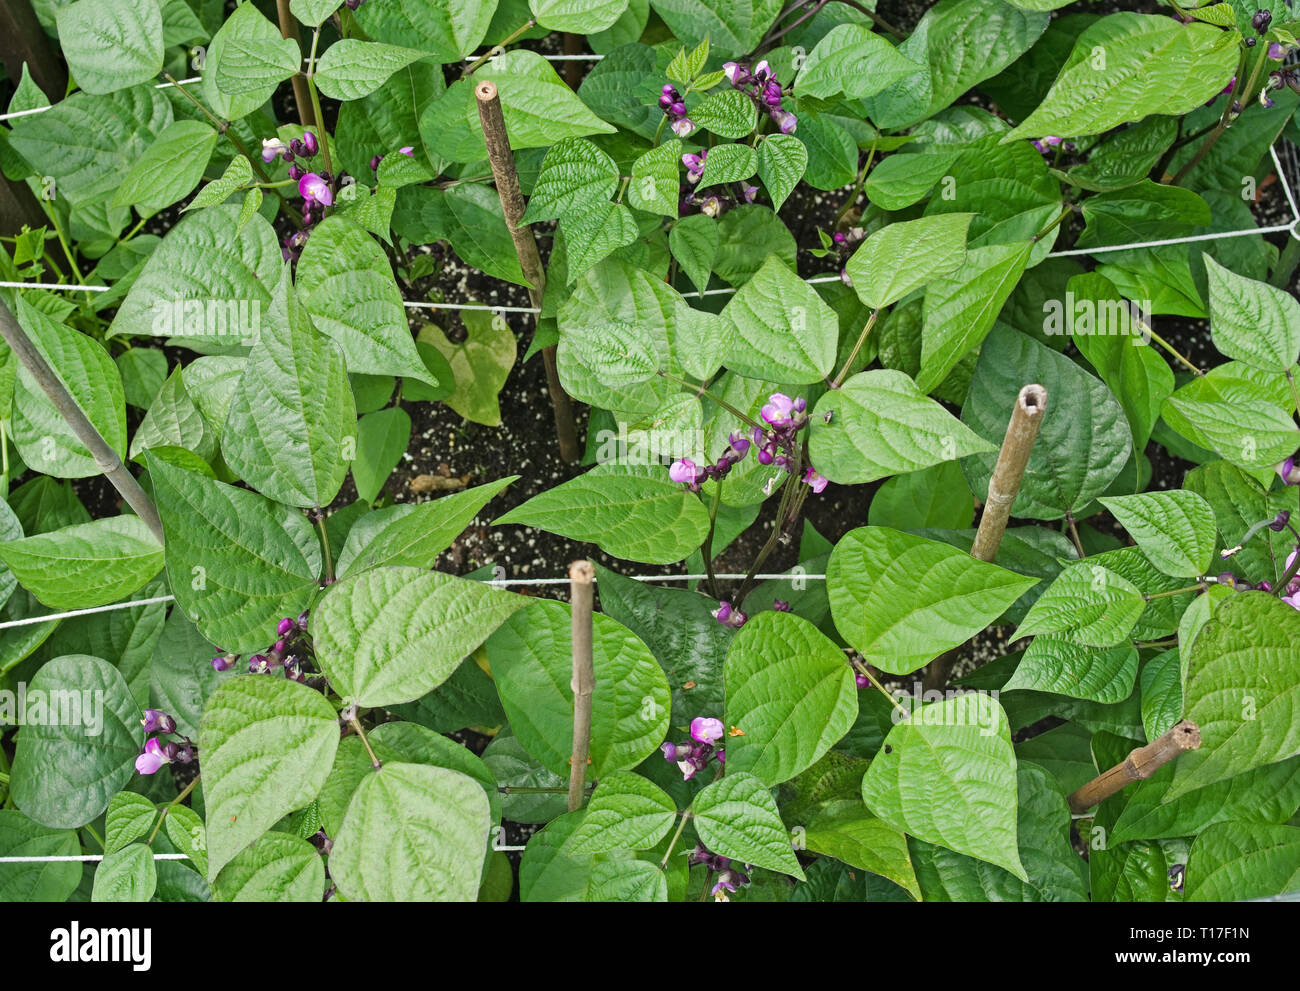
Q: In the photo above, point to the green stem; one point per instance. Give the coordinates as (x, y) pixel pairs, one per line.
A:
(170, 805)
(222, 126)
(707, 550)
(98, 839)
(866, 672)
(1198, 587)
(1286, 263)
(63, 242)
(1074, 536)
(1247, 94)
(862, 339)
(857, 188)
(672, 844)
(315, 103)
(702, 391)
(1065, 212)
(375, 762)
(1181, 358)
(325, 545)
(787, 496)
(499, 49)
(4, 778)
(879, 21)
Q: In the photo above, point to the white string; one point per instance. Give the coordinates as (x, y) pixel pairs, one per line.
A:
(498, 582)
(52, 285)
(41, 110)
(470, 306)
(1100, 250)
(1286, 188)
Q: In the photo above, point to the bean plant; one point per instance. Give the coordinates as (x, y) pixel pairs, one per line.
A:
(799, 264)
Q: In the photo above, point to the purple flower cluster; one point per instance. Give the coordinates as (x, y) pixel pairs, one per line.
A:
(291, 651)
(1289, 471)
(674, 108)
(315, 188)
(842, 244)
(156, 753)
(761, 86)
(717, 200)
(694, 756)
(730, 877)
(1044, 144)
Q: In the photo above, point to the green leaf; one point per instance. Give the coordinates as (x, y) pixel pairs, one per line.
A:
(351, 69)
(531, 658)
(207, 280)
(126, 875)
(929, 497)
(728, 113)
(627, 881)
(276, 868)
(87, 565)
(625, 812)
(779, 318)
(185, 830)
(790, 692)
(578, 16)
(313, 13)
(382, 438)
(1242, 686)
(413, 535)
(850, 59)
(632, 514)
(656, 182)
(849, 833)
(736, 817)
(576, 176)
(903, 600)
(901, 180)
(174, 420)
(882, 424)
(292, 413)
(129, 817)
(1175, 530)
(1244, 428)
(468, 216)
(143, 371)
(170, 169)
(1126, 66)
(42, 436)
(1089, 604)
(479, 365)
(37, 881)
(1235, 861)
(694, 242)
(73, 757)
(445, 29)
(616, 353)
(728, 163)
(255, 57)
(961, 308)
(236, 561)
(412, 833)
(782, 160)
(902, 257)
(267, 746)
(1084, 439)
(390, 635)
(591, 236)
(947, 776)
(347, 285)
(1055, 663)
(111, 44)
(733, 29)
(1252, 321)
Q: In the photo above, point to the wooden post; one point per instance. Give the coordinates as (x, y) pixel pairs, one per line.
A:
(581, 577)
(301, 95)
(1140, 764)
(105, 457)
(512, 204)
(22, 39)
(1004, 486)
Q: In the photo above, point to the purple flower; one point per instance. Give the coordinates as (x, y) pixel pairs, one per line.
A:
(780, 605)
(223, 662)
(778, 410)
(763, 71)
(152, 758)
(682, 128)
(1289, 471)
(673, 752)
(694, 166)
(818, 482)
(285, 626)
(705, 729)
(728, 880)
(845, 277)
(157, 721)
(748, 193)
(684, 472)
(315, 190)
(302, 620)
(1261, 21)
(374, 162)
(731, 70)
(785, 121)
(272, 148)
(861, 680)
(309, 144)
(677, 109)
(1276, 51)
(772, 94)
(407, 150)
(711, 207)
(739, 443)
(1292, 598)
(727, 615)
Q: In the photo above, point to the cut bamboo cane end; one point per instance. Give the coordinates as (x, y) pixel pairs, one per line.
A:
(1187, 735)
(486, 91)
(1032, 400)
(582, 572)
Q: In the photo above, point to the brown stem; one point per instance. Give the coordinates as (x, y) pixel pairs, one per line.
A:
(301, 97)
(1004, 486)
(106, 459)
(530, 261)
(573, 68)
(581, 577)
(1140, 764)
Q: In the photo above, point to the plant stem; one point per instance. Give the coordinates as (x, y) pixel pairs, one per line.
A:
(865, 670)
(1226, 120)
(1074, 536)
(1286, 262)
(98, 839)
(325, 546)
(1287, 575)
(106, 459)
(301, 96)
(315, 104)
(707, 549)
(778, 526)
(581, 586)
(174, 802)
(355, 722)
(222, 126)
(672, 844)
(794, 24)
(862, 339)
(1178, 355)
(1198, 587)
(63, 242)
(4, 778)
(879, 21)
(847, 205)
(700, 390)
(1065, 212)
(500, 48)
